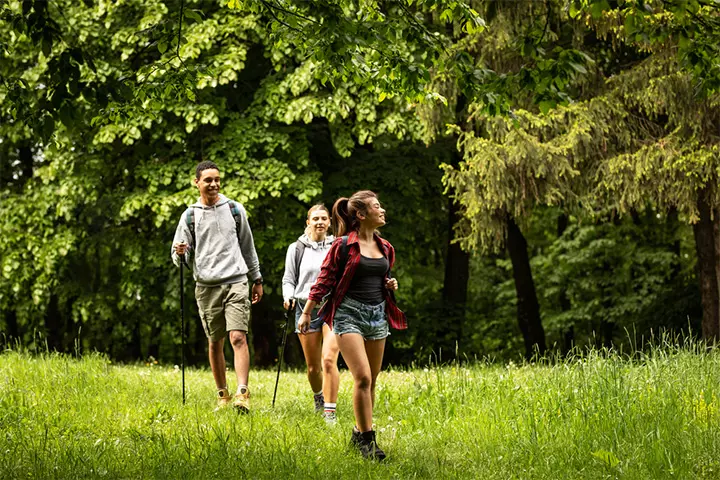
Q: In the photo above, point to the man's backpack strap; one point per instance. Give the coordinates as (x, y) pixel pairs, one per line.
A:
(190, 221)
(235, 210)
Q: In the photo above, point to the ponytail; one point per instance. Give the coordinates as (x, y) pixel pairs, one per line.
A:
(345, 210)
(340, 217)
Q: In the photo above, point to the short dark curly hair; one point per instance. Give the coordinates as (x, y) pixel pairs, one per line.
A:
(205, 165)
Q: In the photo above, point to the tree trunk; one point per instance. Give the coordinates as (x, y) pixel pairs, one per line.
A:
(53, 325)
(11, 325)
(565, 305)
(154, 346)
(707, 258)
(528, 308)
(196, 352)
(455, 283)
(716, 235)
(672, 220)
(457, 275)
(607, 332)
(263, 348)
(134, 351)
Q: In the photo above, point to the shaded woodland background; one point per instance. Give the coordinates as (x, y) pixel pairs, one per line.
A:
(560, 191)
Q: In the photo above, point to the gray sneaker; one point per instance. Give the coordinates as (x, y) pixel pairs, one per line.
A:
(319, 403)
(330, 417)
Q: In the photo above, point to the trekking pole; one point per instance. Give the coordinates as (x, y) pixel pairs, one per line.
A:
(282, 348)
(182, 327)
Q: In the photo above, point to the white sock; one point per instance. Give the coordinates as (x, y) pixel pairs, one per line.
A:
(330, 407)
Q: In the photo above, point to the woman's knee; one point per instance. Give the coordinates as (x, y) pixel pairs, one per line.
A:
(314, 369)
(363, 381)
(329, 363)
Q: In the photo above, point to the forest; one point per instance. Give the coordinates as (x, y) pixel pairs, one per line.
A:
(549, 168)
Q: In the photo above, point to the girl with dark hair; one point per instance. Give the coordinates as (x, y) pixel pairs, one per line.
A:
(356, 271)
(302, 266)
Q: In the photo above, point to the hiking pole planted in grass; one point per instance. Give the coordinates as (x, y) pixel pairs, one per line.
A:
(182, 327)
(282, 348)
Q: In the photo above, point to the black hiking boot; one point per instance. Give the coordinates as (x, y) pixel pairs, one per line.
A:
(355, 438)
(367, 444)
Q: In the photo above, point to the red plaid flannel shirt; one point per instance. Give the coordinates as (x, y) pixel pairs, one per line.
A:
(327, 279)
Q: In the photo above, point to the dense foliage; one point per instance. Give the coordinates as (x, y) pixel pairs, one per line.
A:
(579, 143)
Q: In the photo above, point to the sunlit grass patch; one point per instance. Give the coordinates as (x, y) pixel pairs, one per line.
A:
(599, 415)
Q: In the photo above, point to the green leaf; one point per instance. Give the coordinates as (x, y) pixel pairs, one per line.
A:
(48, 127)
(162, 46)
(607, 458)
(578, 67)
(574, 10)
(67, 114)
(630, 24)
(598, 7)
(545, 106)
(193, 15)
(46, 45)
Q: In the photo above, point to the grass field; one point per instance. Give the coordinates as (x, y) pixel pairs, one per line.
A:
(600, 416)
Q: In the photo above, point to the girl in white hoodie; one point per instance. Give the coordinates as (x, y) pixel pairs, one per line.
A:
(302, 267)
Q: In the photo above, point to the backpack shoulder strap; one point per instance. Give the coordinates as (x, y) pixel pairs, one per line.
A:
(299, 252)
(190, 221)
(235, 210)
(344, 252)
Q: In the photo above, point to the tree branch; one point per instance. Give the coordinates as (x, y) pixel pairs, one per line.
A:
(180, 22)
(422, 27)
(271, 5)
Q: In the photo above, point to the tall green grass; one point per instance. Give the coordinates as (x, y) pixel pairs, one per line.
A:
(598, 416)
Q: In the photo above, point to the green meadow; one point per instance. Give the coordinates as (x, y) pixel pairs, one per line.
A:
(596, 416)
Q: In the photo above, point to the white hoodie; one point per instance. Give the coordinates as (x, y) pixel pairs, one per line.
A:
(222, 255)
(297, 284)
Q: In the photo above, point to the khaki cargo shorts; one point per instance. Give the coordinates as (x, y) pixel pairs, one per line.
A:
(223, 308)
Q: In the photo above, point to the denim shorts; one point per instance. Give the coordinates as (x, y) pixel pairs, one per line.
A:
(315, 322)
(369, 321)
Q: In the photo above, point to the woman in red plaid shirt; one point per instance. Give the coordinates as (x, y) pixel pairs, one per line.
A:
(355, 278)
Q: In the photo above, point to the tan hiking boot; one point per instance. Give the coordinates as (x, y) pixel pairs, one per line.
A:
(223, 398)
(242, 401)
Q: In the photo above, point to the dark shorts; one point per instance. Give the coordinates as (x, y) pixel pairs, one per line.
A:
(369, 321)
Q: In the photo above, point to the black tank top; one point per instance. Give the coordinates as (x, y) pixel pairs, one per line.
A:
(369, 280)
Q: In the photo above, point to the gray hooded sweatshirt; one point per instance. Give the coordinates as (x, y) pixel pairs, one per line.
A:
(297, 284)
(221, 256)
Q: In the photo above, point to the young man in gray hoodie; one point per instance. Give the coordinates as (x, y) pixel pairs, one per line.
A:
(215, 235)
